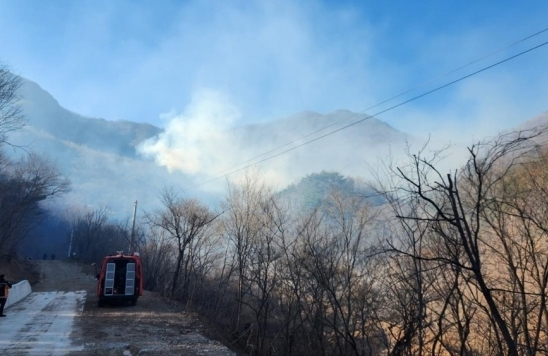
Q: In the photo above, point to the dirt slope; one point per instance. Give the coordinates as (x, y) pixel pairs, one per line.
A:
(152, 327)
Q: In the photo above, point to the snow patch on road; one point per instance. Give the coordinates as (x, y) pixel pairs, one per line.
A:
(41, 324)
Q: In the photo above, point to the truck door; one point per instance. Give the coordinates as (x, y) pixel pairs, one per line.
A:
(130, 279)
(109, 278)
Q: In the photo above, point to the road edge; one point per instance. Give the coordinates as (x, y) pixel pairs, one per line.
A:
(17, 292)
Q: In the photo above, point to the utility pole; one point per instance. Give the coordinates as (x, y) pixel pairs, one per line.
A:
(132, 239)
(70, 244)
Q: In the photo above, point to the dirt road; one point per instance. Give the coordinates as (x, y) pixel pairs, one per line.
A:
(152, 327)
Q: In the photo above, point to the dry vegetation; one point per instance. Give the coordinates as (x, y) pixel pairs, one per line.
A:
(451, 264)
(18, 270)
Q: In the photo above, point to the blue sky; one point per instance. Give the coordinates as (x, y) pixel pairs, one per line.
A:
(150, 61)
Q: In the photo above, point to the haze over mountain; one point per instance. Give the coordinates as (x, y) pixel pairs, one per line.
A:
(97, 155)
(114, 163)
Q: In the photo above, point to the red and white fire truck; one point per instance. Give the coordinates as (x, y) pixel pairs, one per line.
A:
(120, 279)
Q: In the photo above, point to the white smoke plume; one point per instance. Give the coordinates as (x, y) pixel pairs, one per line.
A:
(196, 141)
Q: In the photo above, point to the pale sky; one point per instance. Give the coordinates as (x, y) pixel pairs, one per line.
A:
(146, 61)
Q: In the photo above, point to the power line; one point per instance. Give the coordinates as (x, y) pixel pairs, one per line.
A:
(385, 101)
(374, 115)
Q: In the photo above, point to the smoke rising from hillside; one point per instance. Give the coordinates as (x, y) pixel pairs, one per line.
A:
(196, 141)
(201, 142)
(206, 142)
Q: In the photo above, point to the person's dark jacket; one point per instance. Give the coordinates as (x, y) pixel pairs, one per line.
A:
(4, 286)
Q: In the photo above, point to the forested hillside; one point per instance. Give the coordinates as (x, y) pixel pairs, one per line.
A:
(449, 263)
(24, 183)
(109, 165)
(418, 261)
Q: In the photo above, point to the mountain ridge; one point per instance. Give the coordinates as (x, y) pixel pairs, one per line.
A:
(45, 113)
(103, 161)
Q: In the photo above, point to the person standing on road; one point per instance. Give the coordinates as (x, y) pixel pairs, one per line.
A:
(4, 291)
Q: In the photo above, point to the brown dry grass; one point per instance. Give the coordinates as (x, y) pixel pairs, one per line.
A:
(18, 270)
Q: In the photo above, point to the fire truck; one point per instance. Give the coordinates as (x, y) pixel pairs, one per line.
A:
(120, 279)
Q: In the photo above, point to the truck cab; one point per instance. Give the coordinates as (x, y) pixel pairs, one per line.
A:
(120, 279)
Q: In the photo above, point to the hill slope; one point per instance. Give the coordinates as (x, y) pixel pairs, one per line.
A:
(102, 160)
(97, 155)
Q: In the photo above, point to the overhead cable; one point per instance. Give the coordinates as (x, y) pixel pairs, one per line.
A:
(232, 171)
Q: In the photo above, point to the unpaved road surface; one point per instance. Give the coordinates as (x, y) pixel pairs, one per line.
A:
(152, 327)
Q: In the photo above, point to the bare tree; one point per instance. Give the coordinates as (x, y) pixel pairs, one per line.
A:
(242, 226)
(184, 220)
(518, 223)
(454, 207)
(94, 236)
(11, 118)
(23, 185)
(264, 274)
(158, 255)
